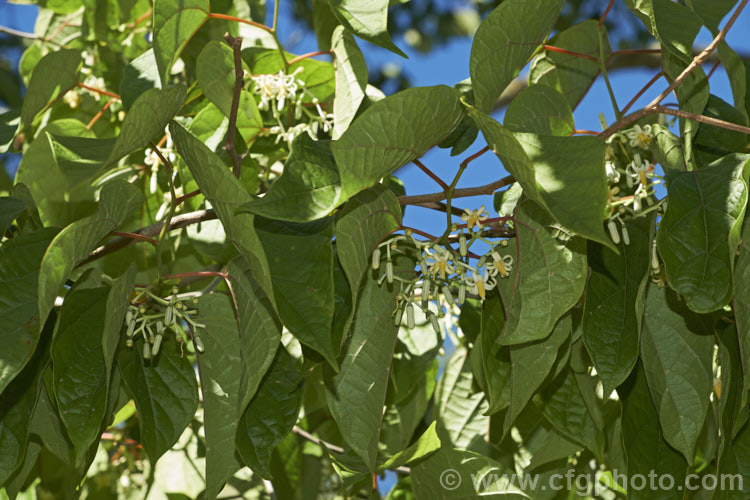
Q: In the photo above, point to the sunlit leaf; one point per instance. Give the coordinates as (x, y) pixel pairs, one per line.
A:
(351, 79)
(367, 19)
(175, 22)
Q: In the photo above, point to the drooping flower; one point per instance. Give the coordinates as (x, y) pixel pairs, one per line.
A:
(474, 217)
(480, 284)
(640, 137)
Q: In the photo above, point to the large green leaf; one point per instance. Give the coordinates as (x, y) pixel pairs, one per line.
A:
(564, 405)
(452, 474)
(165, 394)
(147, 119)
(351, 79)
(301, 261)
(504, 43)
(711, 142)
(226, 194)
(667, 149)
(20, 258)
(59, 172)
(271, 414)
(547, 278)
(215, 74)
(220, 368)
(356, 394)
(10, 208)
(260, 330)
(80, 370)
(571, 75)
(309, 188)
(53, 76)
(140, 75)
(647, 451)
(699, 233)
(614, 303)
(459, 409)
(175, 22)
(741, 304)
(565, 175)
(393, 132)
(541, 110)
(367, 19)
(363, 223)
(677, 349)
(118, 200)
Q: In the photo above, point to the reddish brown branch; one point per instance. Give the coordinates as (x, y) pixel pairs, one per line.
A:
(606, 12)
(134, 236)
(216, 15)
(551, 48)
(431, 174)
(100, 114)
(490, 188)
(99, 91)
(642, 91)
(310, 54)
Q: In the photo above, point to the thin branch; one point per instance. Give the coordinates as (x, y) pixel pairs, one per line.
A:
(567, 52)
(135, 236)
(236, 44)
(421, 199)
(310, 54)
(336, 449)
(700, 58)
(631, 118)
(99, 91)
(177, 222)
(429, 172)
(439, 206)
(606, 12)
(226, 17)
(642, 91)
(100, 114)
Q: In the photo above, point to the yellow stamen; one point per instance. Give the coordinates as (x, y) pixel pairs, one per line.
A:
(441, 266)
(644, 180)
(501, 268)
(644, 139)
(480, 288)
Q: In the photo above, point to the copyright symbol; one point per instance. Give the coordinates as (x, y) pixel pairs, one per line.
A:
(450, 479)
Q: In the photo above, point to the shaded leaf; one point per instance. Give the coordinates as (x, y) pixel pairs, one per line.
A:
(367, 19)
(699, 233)
(118, 200)
(541, 110)
(53, 76)
(10, 208)
(140, 75)
(175, 22)
(677, 350)
(271, 414)
(504, 43)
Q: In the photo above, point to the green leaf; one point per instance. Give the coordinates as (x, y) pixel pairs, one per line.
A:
(301, 262)
(677, 349)
(10, 208)
(565, 175)
(220, 367)
(699, 233)
(118, 200)
(53, 76)
(147, 119)
(141, 75)
(646, 448)
(393, 132)
(175, 22)
(427, 443)
(351, 79)
(271, 414)
(614, 303)
(711, 12)
(215, 74)
(47, 424)
(667, 149)
(547, 278)
(459, 409)
(356, 394)
(80, 370)
(9, 122)
(737, 74)
(260, 330)
(17, 404)
(570, 75)
(19, 273)
(363, 223)
(563, 404)
(711, 142)
(457, 474)
(225, 194)
(309, 188)
(504, 43)
(165, 394)
(367, 19)
(741, 303)
(541, 110)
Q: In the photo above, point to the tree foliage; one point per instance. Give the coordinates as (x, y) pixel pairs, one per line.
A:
(208, 288)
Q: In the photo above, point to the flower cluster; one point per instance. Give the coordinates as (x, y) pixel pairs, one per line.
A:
(151, 317)
(443, 270)
(631, 179)
(279, 91)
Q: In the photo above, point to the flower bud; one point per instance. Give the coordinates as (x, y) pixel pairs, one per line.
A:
(146, 350)
(198, 343)
(613, 232)
(157, 345)
(462, 245)
(435, 323)
(448, 295)
(410, 316)
(389, 271)
(376, 258)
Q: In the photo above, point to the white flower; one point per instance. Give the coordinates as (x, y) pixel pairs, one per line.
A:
(164, 208)
(479, 284)
(640, 136)
(639, 170)
(613, 175)
(501, 265)
(474, 217)
(72, 99)
(441, 265)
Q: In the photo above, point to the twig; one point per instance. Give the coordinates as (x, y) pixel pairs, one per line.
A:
(100, 114)
(606, 12)
(226, 17)
(310, 54)
(567, 52)
(452, 188)
(135, 236)
(421, 199)
(700, 58)
(642, 91)
(429, 172)
(236, 44)
(178, 222)
(99, 91)
(336, 449)
(627, 120)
